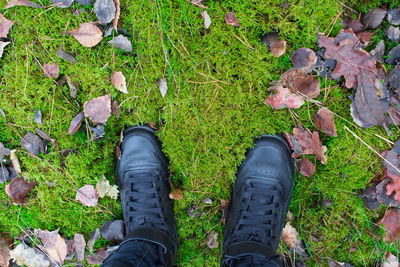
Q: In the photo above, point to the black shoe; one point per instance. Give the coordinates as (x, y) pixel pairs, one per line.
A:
(142, 176)
(260, 200)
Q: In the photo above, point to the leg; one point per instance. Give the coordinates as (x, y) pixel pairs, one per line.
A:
(142, 177)
(259, 204)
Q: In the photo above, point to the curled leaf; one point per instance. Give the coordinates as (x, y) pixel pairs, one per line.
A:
(177, 194)
(206, 19)
(212, 239)
(163, 86)
(2, 45)
(310, 144)
(119, 82)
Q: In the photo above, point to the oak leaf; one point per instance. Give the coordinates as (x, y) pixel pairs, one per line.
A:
(324, 121)
(310, 144)
(391, 223)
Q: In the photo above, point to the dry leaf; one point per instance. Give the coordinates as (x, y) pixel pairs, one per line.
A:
(87, 34)
(5, 246)
(393, 33)
(117, 13)
(48, 238)
(290, 236)
(75, 123)
(66, 56)
(87, 196)
(354, 24)
(162, 84)
(379, 51)
(51, 70)
(5, 26)
(62, 3)
(105, 10)
(305, 167)
(304, 58)
(310, 144)
(18, 189)
(284, 98)
(224, 208)
(27, 256)
(33, 144)
(98, 110)
(113, 231)
(94, 236)
(275, 44)
(115, 108)
(2, 45)
(3, 151)
(374, 18)
(206, 19)
(119, 82)
(391, 223)
(103, 188)
(79, 244)
(393, 16)
(14, 161)
(21, 3)
(391, 261)
(324, 121)
(365, 37)
(98, 257)
(58, 252)
(298, 81)
(121, 42)
(393, 58)
(212, 239)
(4, 175)
(230, 19)
(177, 194)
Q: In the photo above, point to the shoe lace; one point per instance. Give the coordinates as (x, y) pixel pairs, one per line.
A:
(258, 217)
(143, 205)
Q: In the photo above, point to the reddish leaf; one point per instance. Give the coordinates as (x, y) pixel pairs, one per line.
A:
(79, 244)
(98, 109)
(87, 34)
(87, 195)
(391, 222)
(119, 82)
(305, 167)
(284, 98)
(275, 44)
(177, 194)
(297, 80)
(19, 188)
(21, 3)
(310, 144)
(5, 26)
(5, 246)
(98, 257)
(51, 70)
(75, 123)
(230, 19)
(391, 170)
(324, 121)
(115, 108)
(304, 58)
(365, 37)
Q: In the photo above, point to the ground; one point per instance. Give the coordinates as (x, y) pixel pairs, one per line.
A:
(218, 81)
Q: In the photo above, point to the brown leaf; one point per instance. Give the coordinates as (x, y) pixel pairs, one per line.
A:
(75, 123)
(79, 244)
(115, 108)
(87, 195)
(391, 223)
(365, 37)
(48, 238)
(51, 70)
(33, 144)
(297, 80)
(283, 98)
(290, 236)
(304, 58)
(113, 231)
(98, 110)
(177, 194)
(324, 121)
(46, 137)
(5, 26)
(21, 3)
(224, 208)
(275, 44)
(310, 144)
(119, 82)
(66, 56)
(94, 236)
(305, 167)
(117, 14)
(98, 257)
(59, 251)
(230, 19)
(5, 247)
(354, 24)
(19, 188)
(87, 34)
(374, 18)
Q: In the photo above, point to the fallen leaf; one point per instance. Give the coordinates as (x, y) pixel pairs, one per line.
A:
(117, 14)
(332, 263)
(75, 123)
(393, 33)
(393, 16)
(14, 161)
(230, 19)
(119, 82)
(206, 19)
(224, 208)
(393, 58)
(391, 261)
(275, 44)
(290, 236)
(305, 167)
(284, 98)
(115, 108)
(98, 132)
(38, 116)
(70, 250)
(66, 56)
(87, 34)
(391, 223)
(374, 18)
(324, 66)
(6, 244)
(379, 51)
(48, 238)
(2, 45)
(2, 114)
(51, 70)
(207, 201)
(113, 231)
(304, 58)
(5, 26)
(391, 170)
(73, 91)
(94, 236)
(85, 2)
(163, 86)
(62, 3)
(394, 79)
(297, 80)
(98, 110)
(365, 37)
(3, 152)
(354, 24)
(98, 257)
(27, 256)
(33, 144)
(324, 121)
(103, 188)
(177, 194)
(382, 197)
(4, 175)
(21, 3)
(212, 239)
(59, 251)
(87, 196)
(79, 244)
(122, 43)
(105, 10)
(19, 188)
(46, 137)
(310, 144)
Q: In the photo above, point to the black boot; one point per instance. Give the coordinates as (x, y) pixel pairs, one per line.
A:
(259, 203)
(142, 176)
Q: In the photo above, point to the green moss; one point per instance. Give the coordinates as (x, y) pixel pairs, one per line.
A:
(213, 109)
